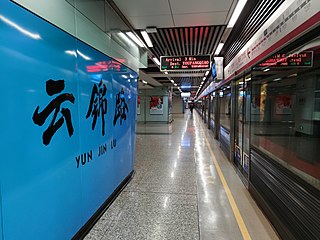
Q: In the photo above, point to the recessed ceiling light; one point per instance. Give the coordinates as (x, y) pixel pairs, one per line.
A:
(218, 49)
(156, 60)
(236, 13)
(134, 38)
(146, 38)
(151, 30)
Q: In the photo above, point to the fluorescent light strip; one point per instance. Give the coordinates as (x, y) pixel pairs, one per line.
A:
(156, 60)
(134, 38)
(204, 78)
(165, 72)
(206, 74)
(146, 38)
(125, 38)
(220, 45)
(266, 70)
(145, 82)
(236, 13)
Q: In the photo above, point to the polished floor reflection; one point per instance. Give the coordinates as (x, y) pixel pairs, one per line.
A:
(177, 192)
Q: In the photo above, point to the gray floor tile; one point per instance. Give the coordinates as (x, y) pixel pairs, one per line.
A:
(175, 194)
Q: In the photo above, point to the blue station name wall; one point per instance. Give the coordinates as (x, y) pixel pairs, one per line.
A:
(67, 126)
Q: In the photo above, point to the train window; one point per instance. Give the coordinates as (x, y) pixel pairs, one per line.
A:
(285, 110)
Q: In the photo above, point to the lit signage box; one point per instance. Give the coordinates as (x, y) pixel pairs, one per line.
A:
(218, 61)
(303, 59)
(185, 94)
(194, 62)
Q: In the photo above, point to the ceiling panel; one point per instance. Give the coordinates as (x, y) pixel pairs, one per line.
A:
(146, 21)
(192, 6)
(143, 7)
(200, 19)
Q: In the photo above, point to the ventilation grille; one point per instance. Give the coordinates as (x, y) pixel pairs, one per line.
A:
(186, 40)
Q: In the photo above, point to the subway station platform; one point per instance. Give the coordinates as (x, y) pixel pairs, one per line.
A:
(183, 188)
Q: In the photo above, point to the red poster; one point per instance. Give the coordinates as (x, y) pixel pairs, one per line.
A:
(283, 104)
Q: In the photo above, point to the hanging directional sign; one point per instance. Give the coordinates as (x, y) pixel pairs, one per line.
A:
(190, 62)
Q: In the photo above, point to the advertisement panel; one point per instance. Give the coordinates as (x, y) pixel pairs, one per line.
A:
(219, 67)
(283, 104)
(138, 105)
(238, 155)
(156, 105)
(66, 136)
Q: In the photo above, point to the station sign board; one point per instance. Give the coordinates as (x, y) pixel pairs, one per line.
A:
(302, 59)
(188, 62)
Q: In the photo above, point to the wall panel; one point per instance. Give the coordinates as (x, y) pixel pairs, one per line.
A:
(60, 162)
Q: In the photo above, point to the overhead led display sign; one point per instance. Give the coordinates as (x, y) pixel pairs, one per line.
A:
(303, 59)
(194, 62)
